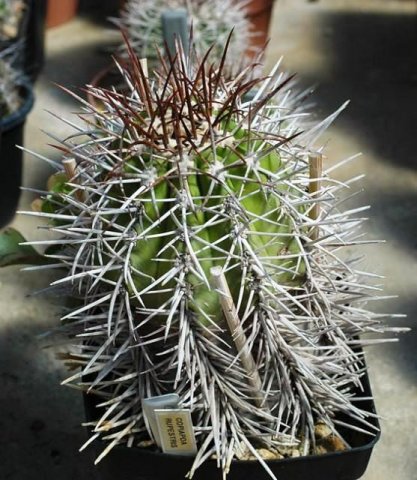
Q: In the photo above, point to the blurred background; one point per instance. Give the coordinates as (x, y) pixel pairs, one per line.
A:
(362, 50)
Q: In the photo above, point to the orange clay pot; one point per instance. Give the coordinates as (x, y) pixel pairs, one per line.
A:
(259, 15)
(60, 11)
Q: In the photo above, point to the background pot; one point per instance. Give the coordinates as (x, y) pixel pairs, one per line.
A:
(105, 78)
(140, 464)
(259, 15)
(11, 134)
(60, 11)
(35, 39)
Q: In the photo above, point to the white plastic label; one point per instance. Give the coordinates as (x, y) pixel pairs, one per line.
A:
(149, 405)
(176, 431)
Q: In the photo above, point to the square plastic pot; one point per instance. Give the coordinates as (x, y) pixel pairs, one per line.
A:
(141, 464)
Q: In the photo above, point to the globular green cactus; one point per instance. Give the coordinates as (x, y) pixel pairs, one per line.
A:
(182, 208)
(211, 22)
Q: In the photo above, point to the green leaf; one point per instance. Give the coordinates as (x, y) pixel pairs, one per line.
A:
(12, 253)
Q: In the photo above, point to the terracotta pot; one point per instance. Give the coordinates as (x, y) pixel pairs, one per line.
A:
(259, 15)
(60, 11)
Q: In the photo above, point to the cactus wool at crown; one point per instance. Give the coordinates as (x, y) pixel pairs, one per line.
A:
(177, 179)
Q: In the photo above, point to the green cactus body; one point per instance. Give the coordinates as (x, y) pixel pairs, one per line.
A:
(200, 202)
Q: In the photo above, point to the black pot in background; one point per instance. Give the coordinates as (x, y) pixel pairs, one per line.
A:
(140, 464)
(11, 134)
(35, 38)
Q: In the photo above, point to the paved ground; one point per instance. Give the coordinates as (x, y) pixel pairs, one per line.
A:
(366, 52)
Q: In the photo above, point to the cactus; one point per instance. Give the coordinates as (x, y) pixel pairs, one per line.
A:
(179, 198)
(11, 15)
(211, 22)
(9, 90)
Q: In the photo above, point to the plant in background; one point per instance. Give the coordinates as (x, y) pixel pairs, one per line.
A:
(10, 99)
(22, 29)
(203, 247)
(16, 100)
(11, 16)
(211, 22)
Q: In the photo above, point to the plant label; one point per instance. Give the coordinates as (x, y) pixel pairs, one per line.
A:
(149, 405)
(176, 431)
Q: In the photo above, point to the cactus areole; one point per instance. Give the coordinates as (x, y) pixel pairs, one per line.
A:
(203, 254)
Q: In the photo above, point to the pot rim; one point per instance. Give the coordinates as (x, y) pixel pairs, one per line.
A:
(16, 118)
(303, 458)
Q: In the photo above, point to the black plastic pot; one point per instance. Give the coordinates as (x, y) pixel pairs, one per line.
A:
(35, 38)
(11, 134)
(140, 464)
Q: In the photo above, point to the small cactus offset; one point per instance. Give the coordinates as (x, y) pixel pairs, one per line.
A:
(203, 246)
(211, 22)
